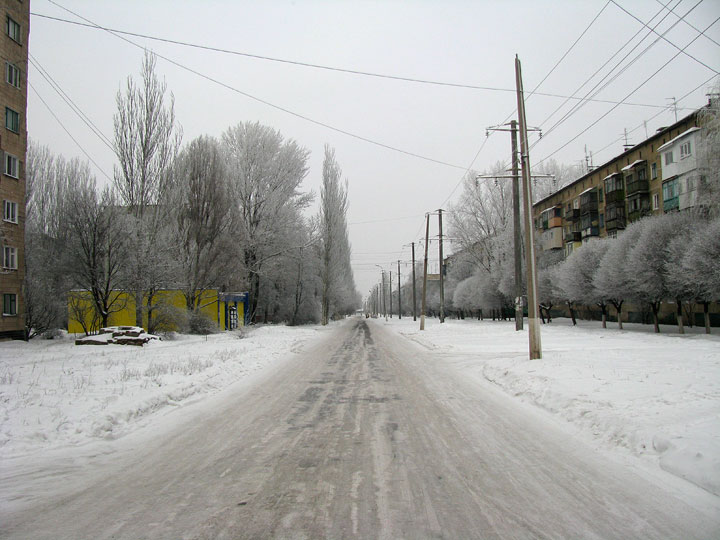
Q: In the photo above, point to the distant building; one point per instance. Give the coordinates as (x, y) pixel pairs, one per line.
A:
(681, 176)
(13, 147)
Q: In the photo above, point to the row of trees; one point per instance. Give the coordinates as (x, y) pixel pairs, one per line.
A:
(669, 258)
(224, 213)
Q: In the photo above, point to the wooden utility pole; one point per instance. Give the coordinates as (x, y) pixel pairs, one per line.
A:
(383, 294)
(399, 297)
(424, 291)
(442, 270)
(535, 344)
(413, 282)
(390, 285)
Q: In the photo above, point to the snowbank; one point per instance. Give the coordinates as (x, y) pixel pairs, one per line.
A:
(656, 396)
(56, 394)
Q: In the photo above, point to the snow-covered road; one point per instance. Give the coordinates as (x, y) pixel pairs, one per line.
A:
(364, 434)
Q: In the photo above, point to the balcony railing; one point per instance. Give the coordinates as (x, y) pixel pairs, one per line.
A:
(590, 231)
(590, 206)
(573, 236)
(638, 186)
(614, 196)
(615, 224)
(671, 204)
(572, 215)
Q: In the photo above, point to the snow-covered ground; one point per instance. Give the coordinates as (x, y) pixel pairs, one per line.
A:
(54, 394)
(656, 396)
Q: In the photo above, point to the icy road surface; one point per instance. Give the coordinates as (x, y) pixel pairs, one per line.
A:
(361, 436)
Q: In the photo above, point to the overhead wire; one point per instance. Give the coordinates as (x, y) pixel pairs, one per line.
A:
(318, 66)
(689, 23)
(268, 103)
(70, 103)
(662, 36)
(82, 149)
(628, 95)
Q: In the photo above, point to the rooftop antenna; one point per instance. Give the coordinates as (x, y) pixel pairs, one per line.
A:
(674, 106)
(627, 145)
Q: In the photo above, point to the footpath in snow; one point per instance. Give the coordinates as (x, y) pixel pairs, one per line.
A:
(54, 394)
(656, 396)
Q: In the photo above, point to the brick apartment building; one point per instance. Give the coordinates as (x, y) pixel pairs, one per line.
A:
(657, 175)
(13, 148)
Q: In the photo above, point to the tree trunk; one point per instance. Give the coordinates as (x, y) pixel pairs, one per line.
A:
(138, 309)
(679, 316)
(655, 307)
(572, 313)
(603, 311)
(706, 313)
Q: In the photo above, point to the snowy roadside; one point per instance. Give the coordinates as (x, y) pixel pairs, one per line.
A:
(655, 396)
(54, 394)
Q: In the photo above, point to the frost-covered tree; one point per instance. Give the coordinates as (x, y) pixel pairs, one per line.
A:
(562, 175)
(611, 281)
(44, 287)
(575, 276)
(700, 265)
(146, 143)
(334, 245)
(265, 174)
(200, 207)
(709, 152)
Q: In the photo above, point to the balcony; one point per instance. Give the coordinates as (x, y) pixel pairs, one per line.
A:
(573, 215)
(671, 204)
(615, 224)
(638, 186)
(590, 231)
(614, 196)
(573, 236)
(638, 214)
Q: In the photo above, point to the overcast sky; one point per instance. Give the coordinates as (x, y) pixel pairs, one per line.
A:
(465, 43)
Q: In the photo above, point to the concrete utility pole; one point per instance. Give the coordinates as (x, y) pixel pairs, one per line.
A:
(399, 297)
(535, 344)
(390, 285)
(413, 281)
(442, 270)
(424, 291)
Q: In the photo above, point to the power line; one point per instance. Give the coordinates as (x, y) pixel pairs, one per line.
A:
(595, 90)
(68, 133)
(269, 104)
(316, 66)
(689, 24)
(73, 106)
(662, 36)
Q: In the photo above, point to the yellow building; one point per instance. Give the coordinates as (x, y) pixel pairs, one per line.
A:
(226, 310)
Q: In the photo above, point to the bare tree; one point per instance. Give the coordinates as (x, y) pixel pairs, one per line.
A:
(146, 143)
(200, 211)
(97, 243)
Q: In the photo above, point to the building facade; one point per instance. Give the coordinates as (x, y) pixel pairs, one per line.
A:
(13, 147)
(655, 176)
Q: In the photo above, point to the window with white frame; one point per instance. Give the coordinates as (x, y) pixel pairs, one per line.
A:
(13, 29)
(9, 304)
(653, 171)
(669, 158)
(12, 74)
(12, 120)
(685, 150)
(656, 201)
(10, 257)
(10, 211)
(12, 165)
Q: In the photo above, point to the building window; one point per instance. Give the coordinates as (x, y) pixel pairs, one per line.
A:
(600, 194)
(602, 221)
(685, 150)
(668, 158)
(642, 174)
(11, 165)
(656, 201)
(12, 74)
(690, 184)
(653, 171)
(13, 29)
(12, 120)
(10, 211)
(9, 304)
(10, 258)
